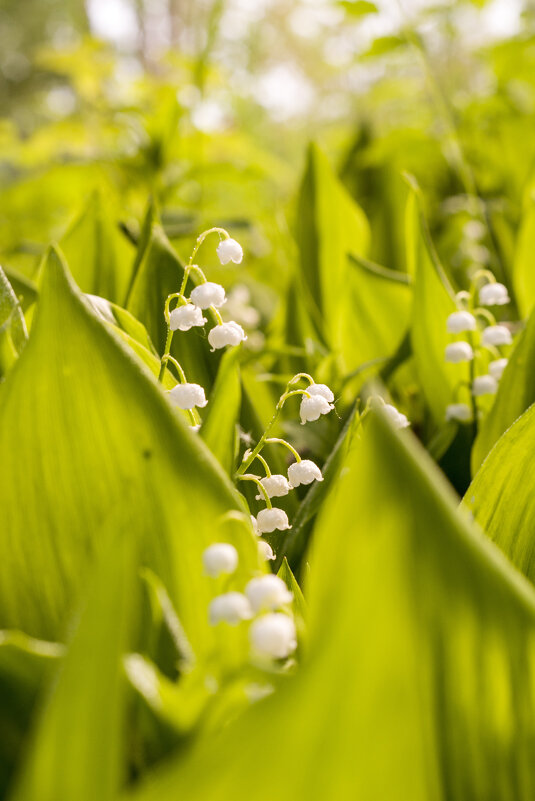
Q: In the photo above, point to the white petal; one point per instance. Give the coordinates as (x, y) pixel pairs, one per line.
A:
(220, 558)
(208, 294)
(229, 250)
(273, 636)
(267, 592)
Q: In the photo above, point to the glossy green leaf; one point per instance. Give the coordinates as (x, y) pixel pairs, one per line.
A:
(422, 642)
(97, 436)
(516, 391)
(13, 334)
(358, 8)
(523, 273)
(503, 490)
(99, 255)
(219, 427)
(433, 302)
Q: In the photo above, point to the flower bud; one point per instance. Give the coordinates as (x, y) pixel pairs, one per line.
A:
(303, 472)
(231, 608)
(459, 352)
(226, 334)
(229, 250)
(497, 367)
(496, 335)
(312, 408)
(493, 294)
(459, 411)
(186, 396)
(208, 294)
(268, 520)
(265, 550)
(273, 636)
(267, 592)
(276, 486)
(460, 321)
(396, 418)
(185, 317)
(220, 558)
(484, 385)
(323, 390)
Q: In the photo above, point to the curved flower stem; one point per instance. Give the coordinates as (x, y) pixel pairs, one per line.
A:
(273, 440)
(488, 316)
(298, 376)
(180, 371)
(261, 487)
(491, 278)
(266, 466)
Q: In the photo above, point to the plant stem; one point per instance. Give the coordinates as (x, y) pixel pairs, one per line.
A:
(260, 487)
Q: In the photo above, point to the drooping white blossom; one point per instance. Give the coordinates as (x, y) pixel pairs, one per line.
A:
(484, 385)
(273, 636)
(255, 525)
(185, 317)
(267, 520)
(230, 333)
(497, 367)
(220, 558)
(208, 294)
(312, 408)
(275, 485)
(474, 229)
(267, 593)
(323, 390)
(265, 550)
(187, 396)
(459, 352)
(493, 294)
(459, 411)
(304, 472)
(232, 608)
(396, 418)
(496, 335)
(460, 321)
(229, 250)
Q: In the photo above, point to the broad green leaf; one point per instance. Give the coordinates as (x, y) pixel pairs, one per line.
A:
(418, 679)
(98, 436)
(358, 8)
(523, 273)
(158, 273)
(383, 45)
(516, 391)
(433, 302)
(219, 427)
(299, 603)
(13, 334)
(502, 493)
(24, 289)
(86, 760)
(100, 257)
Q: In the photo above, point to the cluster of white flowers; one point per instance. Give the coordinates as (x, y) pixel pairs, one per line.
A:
(272, 633)
(490, 336)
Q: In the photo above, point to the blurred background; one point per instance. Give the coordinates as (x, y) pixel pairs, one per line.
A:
(209, 105)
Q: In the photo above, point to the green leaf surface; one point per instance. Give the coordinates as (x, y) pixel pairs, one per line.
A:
(13, 334)
(421, 640)
(516, 392)
(358, 8)
(86, 761)
(523, 273)
(219, 427)
(97, 437)
(502, 494)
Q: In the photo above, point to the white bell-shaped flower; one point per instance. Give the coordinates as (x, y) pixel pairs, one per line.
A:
(267, 520)
(459, 411)
(460, 321)
(255, 525)
(496, 335)
(275, 485)
(312, 408)
(265, 550)
(230, 250)
(323, 390)
(232, 608)
(220, 558)
(493, 294)
(396, 418)
(267, 592)
(230, 333)
(208, 294)
(273, 636)
(497, 367)
(459, 352)
(484, 385)
(303, 472)
(186, 396)
(185, 317)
